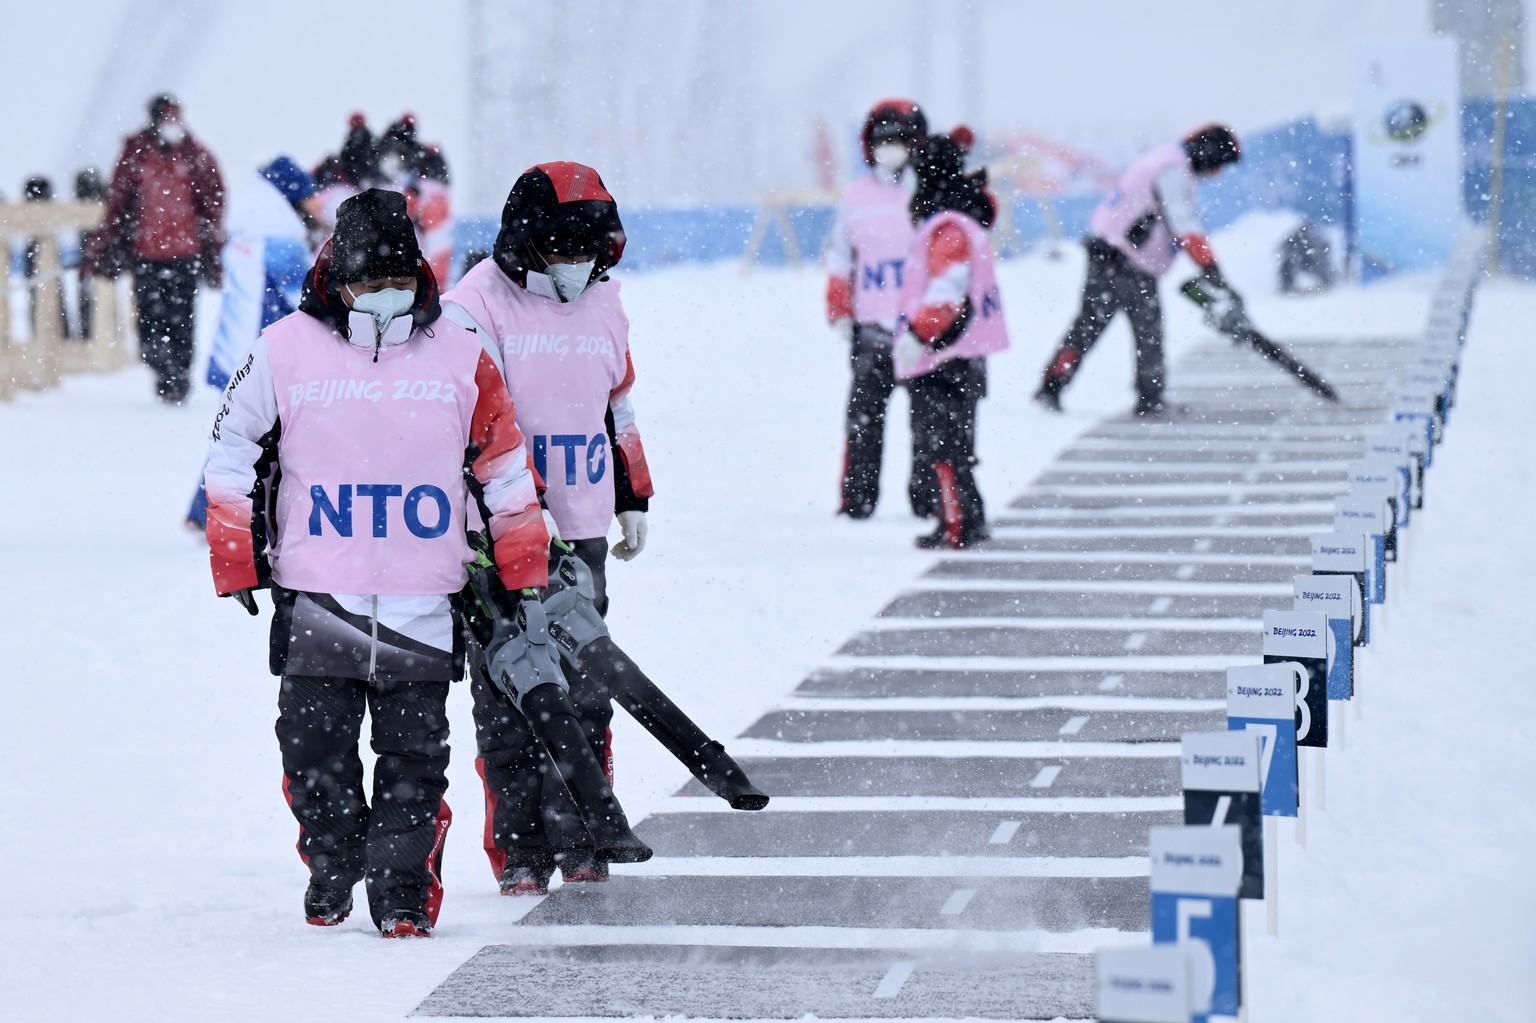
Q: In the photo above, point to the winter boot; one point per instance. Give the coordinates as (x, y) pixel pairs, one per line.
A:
(552, 718)
(581, 867)
(405, 923)
(528, 878)
(325, 906)
(969, 536)
(1049, 398)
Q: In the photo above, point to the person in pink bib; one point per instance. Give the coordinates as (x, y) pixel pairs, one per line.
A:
(866, 260)
(1135, 234)
(336, 475)
(951, 319)
(545, 302)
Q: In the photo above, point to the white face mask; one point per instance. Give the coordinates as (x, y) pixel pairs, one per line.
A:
(570, 279)
(171, 133)
(384, 306)
(891, 155)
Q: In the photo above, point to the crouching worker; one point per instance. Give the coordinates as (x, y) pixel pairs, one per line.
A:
(548, 279)
(951, 320)
(336, 476)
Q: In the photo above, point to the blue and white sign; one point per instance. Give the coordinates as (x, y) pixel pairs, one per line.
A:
(1337, 597)
(1370, 514)
(1407, 155)
(1389, 476)
(1261, 698)
(1220, 775)
(1345, 553)
(1145, 985)
(1301, 638)
(1195, 876)
(1390, 447)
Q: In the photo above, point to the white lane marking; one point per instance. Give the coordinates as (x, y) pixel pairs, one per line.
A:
(1045, 777)
(1111, 683)
(1203, 545)
(956, 903)
(1161, 605)
(1319, 507)
(1216, 528)
(1074, 725)
(1223, 807)
(1142, 557)
(890, 985)
(1004, 833)
(1086, 702)
(1149, 587)
(897, 623)
(924, 938)
(1184, 572)
(1112, 662)
(918, 804)
(891, 866)
(952, 749)
(1152, 491)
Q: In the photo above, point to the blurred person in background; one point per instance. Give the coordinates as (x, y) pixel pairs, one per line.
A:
(421, 173)
(1134, 236)
(865, 260)
(951, 319)
(164, 223)
(89, 188)
(265, 260)
(347, 172)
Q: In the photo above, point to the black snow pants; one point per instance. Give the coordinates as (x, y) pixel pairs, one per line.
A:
(166, 294)
(529, 817)
(874, 378)
(944, 436)
(394, 841)
(1112, 285)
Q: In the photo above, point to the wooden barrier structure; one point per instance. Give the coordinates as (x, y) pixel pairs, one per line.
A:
(34, 355)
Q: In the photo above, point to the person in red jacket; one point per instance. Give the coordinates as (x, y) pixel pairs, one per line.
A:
(164, 223)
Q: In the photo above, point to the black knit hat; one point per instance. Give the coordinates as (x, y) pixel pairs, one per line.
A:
(161, 106)
(943, 184)
(374, 238)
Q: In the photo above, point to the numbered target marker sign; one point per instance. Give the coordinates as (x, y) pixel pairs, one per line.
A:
(1337, 598)
(1220, 773)
(1418, 409)
(1345, 554)
(1369, 513)
(1145, 985)
(1261, 698)
(1391, 448)
(1392, 476)
(1195, 876)
(1300, 638)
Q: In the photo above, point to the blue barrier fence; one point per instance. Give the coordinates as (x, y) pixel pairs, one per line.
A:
(1298, 166)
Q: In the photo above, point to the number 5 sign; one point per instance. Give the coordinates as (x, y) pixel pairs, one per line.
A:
(1195, 876)
(1261, 698)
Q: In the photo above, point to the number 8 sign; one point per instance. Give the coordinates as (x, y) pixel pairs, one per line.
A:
(1261, 698)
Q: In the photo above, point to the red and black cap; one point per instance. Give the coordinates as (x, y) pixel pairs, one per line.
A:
(1212, 147)
(558, 209)
(893, 120)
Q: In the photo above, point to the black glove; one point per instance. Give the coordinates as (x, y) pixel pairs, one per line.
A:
(247, 600)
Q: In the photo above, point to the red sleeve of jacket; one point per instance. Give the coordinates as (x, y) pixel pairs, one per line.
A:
(118, 214)
(949, 259)
(209, 190)
(1199, 249)
(632, 477)
(839, 298)
(519, 539)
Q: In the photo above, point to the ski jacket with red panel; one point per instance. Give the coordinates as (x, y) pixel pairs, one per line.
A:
(569, 370)
(340, 468)
(1150, 215)
(164, 202)
(950, 300)
(867, 250)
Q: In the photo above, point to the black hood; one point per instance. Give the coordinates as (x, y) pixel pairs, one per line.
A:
(1211, 147)
(321, 297)
(943, 184)
(558, 209)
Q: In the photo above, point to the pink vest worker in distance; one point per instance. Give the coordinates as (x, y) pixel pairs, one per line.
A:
(878, 229)
(988, 331)
(372, 458)
(1133, 199)
(562, 361)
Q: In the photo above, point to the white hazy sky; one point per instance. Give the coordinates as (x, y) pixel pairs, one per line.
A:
(281, 75)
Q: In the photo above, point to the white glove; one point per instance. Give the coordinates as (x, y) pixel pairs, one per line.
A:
(552, 526)
(632, 525)
(843, 325)
(906, 352)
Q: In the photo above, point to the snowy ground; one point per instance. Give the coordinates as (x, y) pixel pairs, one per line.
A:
(151, 851)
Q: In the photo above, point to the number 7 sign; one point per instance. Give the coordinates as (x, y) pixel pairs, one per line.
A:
(1261, 698)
